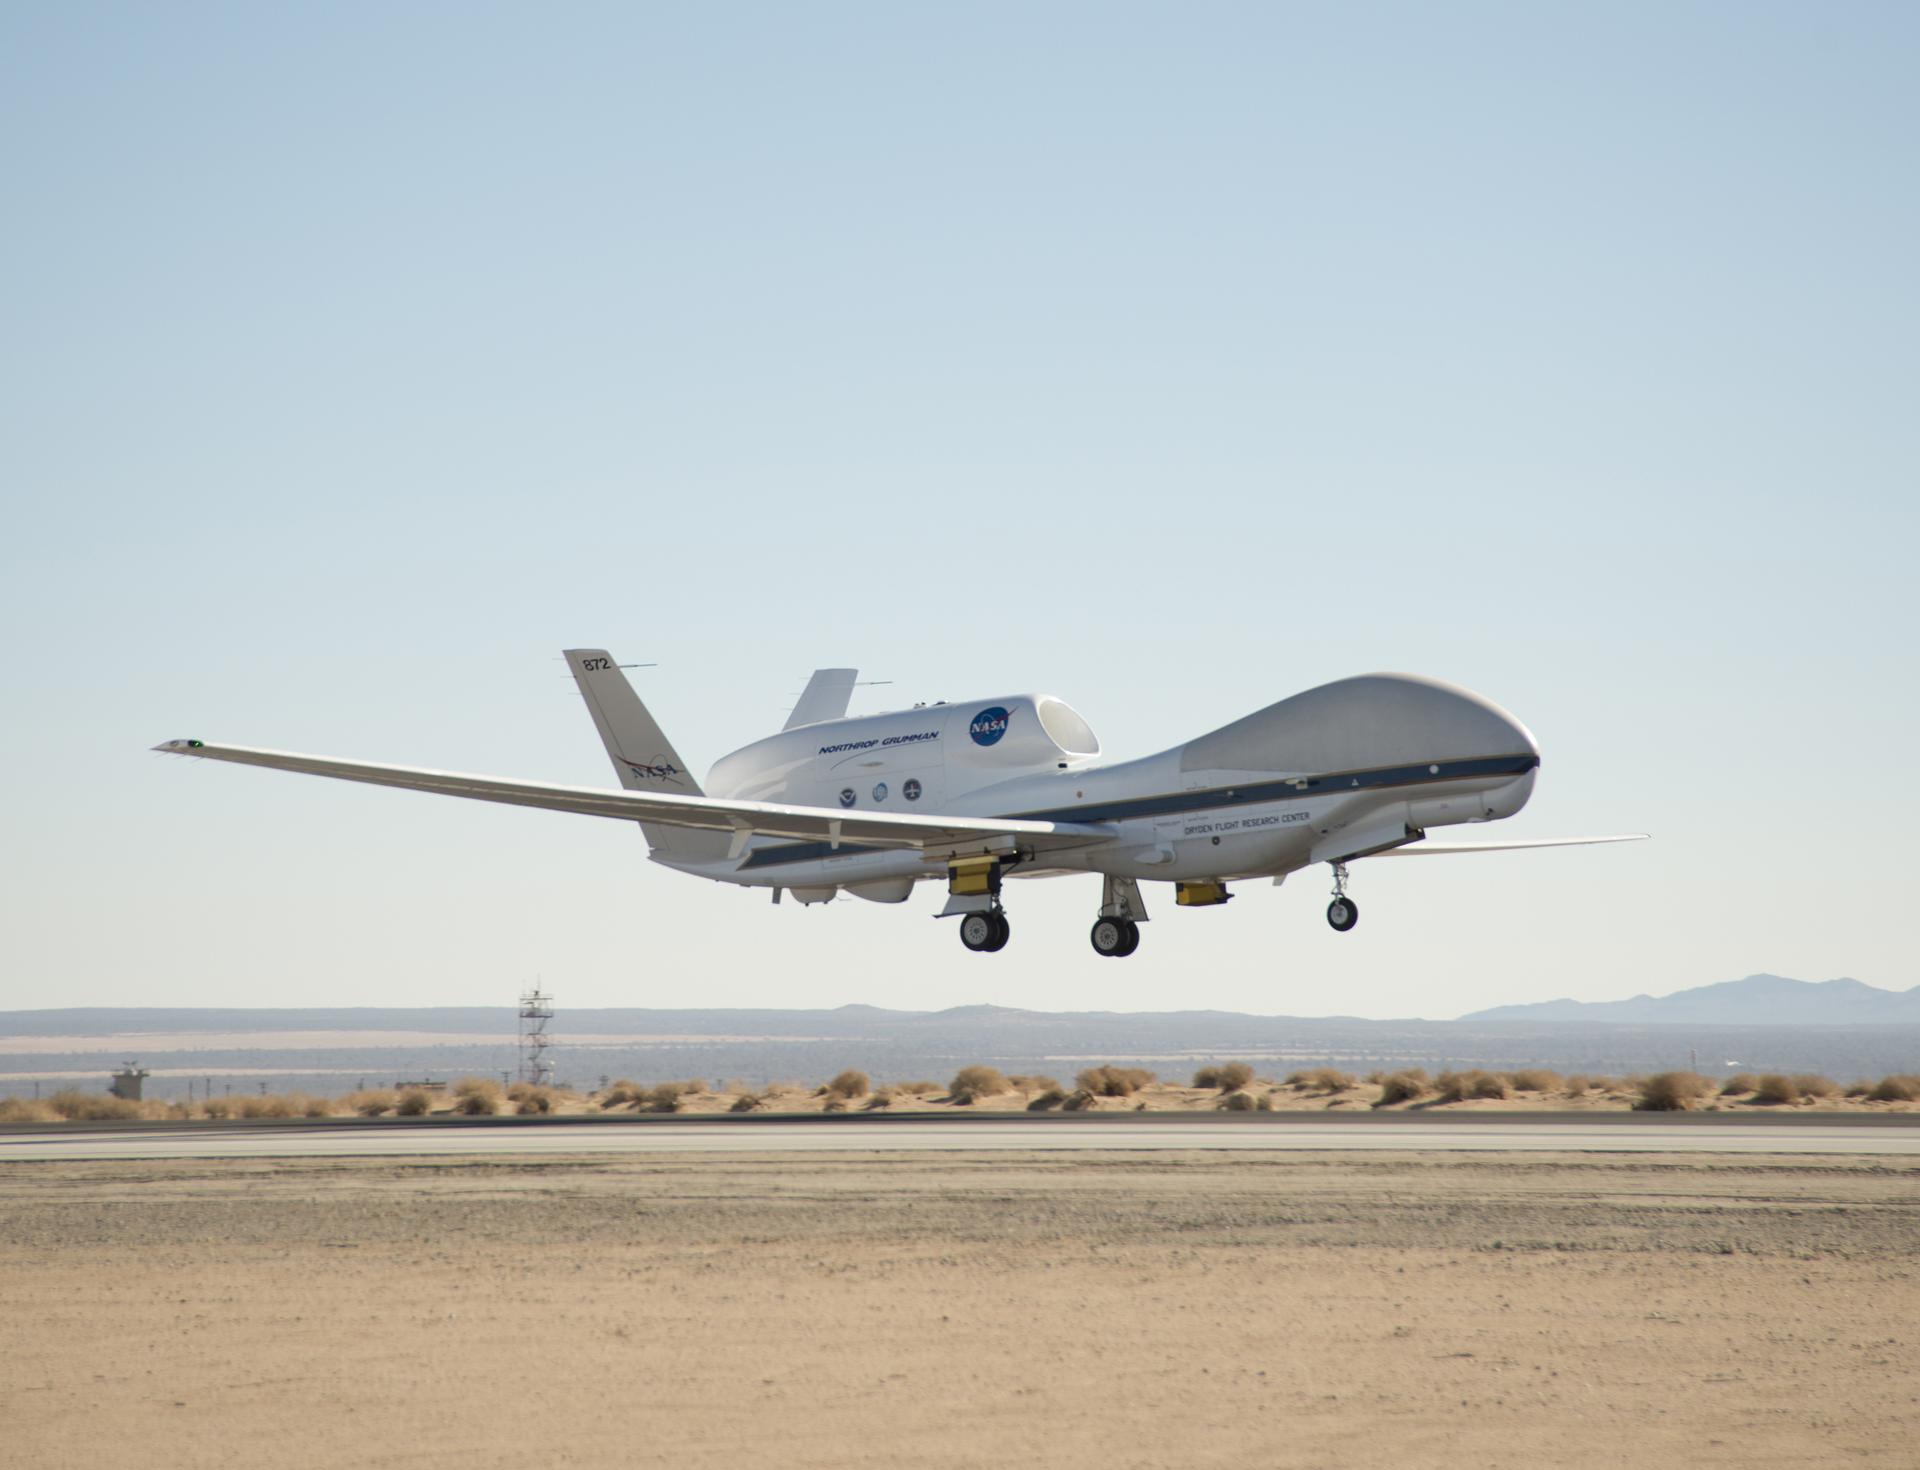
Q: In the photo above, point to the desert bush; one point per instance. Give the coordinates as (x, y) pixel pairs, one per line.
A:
(1053, 1097)
(1672, 1092)
(369, 1103)
(850, 1084)
(745, 1103)
(1113, 1081)
(528, 1099)
(25, 1110)
(468, 1086)
(1207, 1077)
(478, 1104)
(622, 1094)
(1536, 1079)
(1236, 1102)
(1452, 1087)
(1860, 1087)
(972, 1083)
(662, 1097)
(917, 1089)
(881, 1099)
(1078, 1102)
(91, 1107)
(1577, 1085)
(834, 1104)
(1032, 1082)
(1228, 1076)
(1328, 1080)
(1265, 1104)
(217, 1108)
(1739, 1085)
(1896, 1089)
(1811, 1086)
(415, 1102)
(1603, 1084)
(263, 1105)
(1775, 1090)
(1402, 1087)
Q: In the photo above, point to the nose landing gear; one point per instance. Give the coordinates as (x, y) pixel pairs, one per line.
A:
(1343, 913)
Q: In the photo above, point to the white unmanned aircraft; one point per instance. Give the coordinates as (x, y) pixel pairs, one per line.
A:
(972, 792)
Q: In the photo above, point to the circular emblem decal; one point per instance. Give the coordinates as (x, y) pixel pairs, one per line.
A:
(911, 790)
(846, 797)
(988, 726)
(880, 792)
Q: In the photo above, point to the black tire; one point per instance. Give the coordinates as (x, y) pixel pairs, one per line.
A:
(1109, 937)
(978, 931)
(1133, 941)
(1343, 914)
(1002, 932)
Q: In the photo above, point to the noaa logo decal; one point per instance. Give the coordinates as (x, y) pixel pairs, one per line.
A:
(988, 726)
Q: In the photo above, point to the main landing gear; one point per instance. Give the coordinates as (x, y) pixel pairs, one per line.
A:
(1115, 938)
(985, 931)
(1343, 913)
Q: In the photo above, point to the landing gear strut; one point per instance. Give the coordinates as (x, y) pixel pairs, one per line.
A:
(986, 931)
(1343, 913)
(1116, 932)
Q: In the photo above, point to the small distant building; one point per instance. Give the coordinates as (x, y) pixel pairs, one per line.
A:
(127, 1082)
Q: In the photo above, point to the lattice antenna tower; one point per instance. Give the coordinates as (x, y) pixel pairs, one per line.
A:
(536, 1061)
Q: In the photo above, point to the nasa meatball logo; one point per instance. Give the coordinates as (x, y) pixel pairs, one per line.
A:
(988, 726)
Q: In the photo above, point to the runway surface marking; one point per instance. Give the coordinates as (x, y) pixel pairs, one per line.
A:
(1640, 1136)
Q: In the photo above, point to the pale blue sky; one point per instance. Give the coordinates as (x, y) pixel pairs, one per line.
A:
(1167, 358)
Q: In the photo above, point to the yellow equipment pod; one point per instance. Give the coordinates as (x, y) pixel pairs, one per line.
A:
(1199, 895)
(967, 877)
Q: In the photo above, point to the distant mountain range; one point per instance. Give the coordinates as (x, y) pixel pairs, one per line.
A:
(1758, 1000)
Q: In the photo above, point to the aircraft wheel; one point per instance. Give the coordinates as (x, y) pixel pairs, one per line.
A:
(1343, 913)
(1133, 940)
(1002, 932)
(1109, 937)
(979, 931)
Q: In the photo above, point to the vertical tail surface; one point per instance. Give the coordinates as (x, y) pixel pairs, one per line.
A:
(641, 753)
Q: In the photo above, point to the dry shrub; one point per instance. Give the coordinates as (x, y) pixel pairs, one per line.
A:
(1207, 1077)
(528, 1099)
(1328, 1080)
(1536, 1079)
(1078, 1102)
(622, 1094)
(1603, 1084)
(972, 1083)
(478, 1103)
(662, 1097)
(1672, 1092)
(917, 1089)
(415, 1102)
(834, 1104)
(1402, 1087)
(468, 1086)
(370, 1103)
(1114, 1081)
(1265, 1104)
(266, 1105)
(881, 1099)
(1773, 1090)
(1053, 1097)
(849, 1084)
(92, 1107)
(1577, 1085)
(1739, 1085)
(1236, 1102)
(1811, 1086)
(217, 1108)
(25, 1110)
(1899, 1088)
(1860, 1087)
(1032, 1083)
(1452, 1087)
(1376, 1078)
(746, 1103)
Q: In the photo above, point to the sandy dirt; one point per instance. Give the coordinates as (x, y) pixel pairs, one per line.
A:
(957, 1310)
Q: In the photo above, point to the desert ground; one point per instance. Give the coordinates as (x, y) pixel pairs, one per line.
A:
(951, 1310)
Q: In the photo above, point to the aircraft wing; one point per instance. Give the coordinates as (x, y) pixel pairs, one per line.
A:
(741, 818)
(1436, 849)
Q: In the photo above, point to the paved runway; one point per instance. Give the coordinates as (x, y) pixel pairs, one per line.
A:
(1418, 1133)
